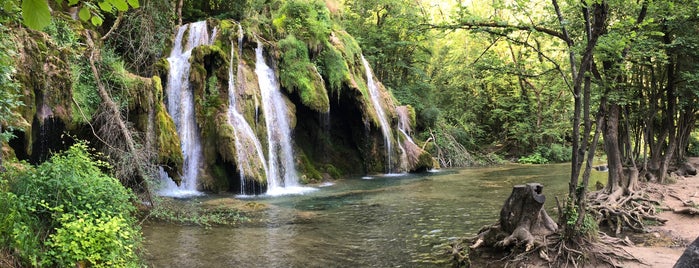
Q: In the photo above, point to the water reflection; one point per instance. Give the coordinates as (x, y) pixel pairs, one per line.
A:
(382, 222)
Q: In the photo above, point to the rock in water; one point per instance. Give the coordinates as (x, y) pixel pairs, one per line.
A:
(690, 257)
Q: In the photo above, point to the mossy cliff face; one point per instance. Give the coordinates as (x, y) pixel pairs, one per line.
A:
(60, 97)
(44, 77)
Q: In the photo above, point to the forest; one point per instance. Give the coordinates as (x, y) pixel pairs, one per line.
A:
(120, 115)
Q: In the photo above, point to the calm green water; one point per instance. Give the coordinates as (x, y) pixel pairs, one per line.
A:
(381, 222)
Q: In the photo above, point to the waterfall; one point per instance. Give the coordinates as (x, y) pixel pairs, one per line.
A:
(249, 155)
(375, 96)
(180, 106)
(404, 128)
(281, 175)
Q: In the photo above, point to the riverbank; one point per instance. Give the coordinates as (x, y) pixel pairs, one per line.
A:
(664, 244)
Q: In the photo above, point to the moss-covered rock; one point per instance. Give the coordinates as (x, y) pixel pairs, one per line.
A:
(298, 74)
(309, 173)
(43, 73)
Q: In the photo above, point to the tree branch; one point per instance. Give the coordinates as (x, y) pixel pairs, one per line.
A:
(474, 25)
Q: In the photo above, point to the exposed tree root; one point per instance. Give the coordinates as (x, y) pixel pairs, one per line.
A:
(619, 210)
(604, 251)
(690, 207)
(556, 251)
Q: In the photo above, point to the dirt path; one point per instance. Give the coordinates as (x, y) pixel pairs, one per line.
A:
(664, 244)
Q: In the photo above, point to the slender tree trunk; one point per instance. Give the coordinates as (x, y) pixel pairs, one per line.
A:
(2, 168)
(180, 4)
(670, 113)
(611, 144)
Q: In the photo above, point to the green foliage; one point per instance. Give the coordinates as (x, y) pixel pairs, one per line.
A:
(297, 73)
(62, 33)
(37, 16)
(193, 213)
(105, 241)
(535, 158)
(36, 13)
(588, 228)
(428, 117)
(195, 10)
(693, 148)
(66, 211)
(554, 153)
(394, 39)
(84, 91)
(333, 67)
(9, 89)
(308, 20)
(143, 36)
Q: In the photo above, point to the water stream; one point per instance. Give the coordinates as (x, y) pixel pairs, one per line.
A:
(387, 221)
(250, 158)
(281, 170)
(375, 96)
(180, 106)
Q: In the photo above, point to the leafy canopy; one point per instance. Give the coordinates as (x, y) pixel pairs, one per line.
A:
(36, 13)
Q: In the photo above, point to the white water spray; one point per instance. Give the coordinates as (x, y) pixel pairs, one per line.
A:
(180, 106)
(375, 96)
(249, 154)
(281, 176)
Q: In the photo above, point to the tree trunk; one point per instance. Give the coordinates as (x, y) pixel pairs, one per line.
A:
(611, 146)
(690, 257)
(2, 168)
(523, 220)
(180, 3)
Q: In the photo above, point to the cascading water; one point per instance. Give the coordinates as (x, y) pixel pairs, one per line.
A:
(281, 175)
(375, 100)
(180, 106)
(249, 155)
(404, 128)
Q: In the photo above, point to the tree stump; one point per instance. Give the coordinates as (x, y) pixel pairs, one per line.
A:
(523, 220)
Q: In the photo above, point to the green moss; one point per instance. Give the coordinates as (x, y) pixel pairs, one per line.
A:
(308, 20)
(297, 73)
(333, 67)
(332, 171)
(220, 178)
(169, 150)
(225, 140)
(87, 100)
(309, 172)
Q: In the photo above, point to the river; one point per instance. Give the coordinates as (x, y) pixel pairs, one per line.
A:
(379, 221)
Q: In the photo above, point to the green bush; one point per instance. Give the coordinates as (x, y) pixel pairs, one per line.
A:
(309, 21)
(555, 153)
(693, 147)
(67, 211)
(534, 158)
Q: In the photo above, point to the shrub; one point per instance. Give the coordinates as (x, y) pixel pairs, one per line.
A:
(693, 147)
(309, 21)
(67, 211)
(534, 158)
(555, 153)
